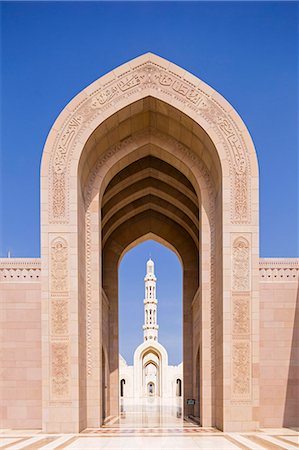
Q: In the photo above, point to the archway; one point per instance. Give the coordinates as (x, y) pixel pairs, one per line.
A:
(179, 387)
(126, 146)
(151, 389)
(122, 387)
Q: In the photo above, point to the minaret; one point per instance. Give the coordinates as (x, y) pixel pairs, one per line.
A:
(150, 327)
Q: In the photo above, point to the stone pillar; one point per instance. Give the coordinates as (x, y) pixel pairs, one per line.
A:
(60, 335)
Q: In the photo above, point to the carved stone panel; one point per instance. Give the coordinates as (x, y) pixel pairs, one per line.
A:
(241, 265)
(60, 371)
(59, 317)
(59, 265)
(241, 316)
(241, 370)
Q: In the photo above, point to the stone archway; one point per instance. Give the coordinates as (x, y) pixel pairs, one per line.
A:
(149, 112)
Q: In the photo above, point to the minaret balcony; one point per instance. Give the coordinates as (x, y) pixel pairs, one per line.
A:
(150, 300)
(151, 327)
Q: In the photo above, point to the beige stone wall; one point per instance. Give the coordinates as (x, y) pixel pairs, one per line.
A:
(279, 343)
(20, 344)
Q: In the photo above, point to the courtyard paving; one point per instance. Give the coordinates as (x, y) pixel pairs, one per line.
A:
(151, 425)
(166, 440)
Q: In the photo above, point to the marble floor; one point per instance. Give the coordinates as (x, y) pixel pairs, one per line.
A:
(151, 425)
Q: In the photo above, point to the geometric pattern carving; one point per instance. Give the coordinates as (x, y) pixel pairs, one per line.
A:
(59, 370)
(175, 87)
(241, 270)
(59, 265)
(241, 316)
(241, 370)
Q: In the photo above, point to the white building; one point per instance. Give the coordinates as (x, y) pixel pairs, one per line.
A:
(150, 375)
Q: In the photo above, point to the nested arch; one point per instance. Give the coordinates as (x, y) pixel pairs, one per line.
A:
(146, 76)
(146, 355)
(165, 126)
(150, 222)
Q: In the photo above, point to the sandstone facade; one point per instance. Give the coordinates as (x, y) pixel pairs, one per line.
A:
(150, 151)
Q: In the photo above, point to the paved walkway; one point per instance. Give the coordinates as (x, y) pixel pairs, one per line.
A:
(151, 425)
(128, 439)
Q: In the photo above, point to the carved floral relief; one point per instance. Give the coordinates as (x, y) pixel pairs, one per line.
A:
(241, 370)
(59, 265)
(60, 370)
(241, 260)
(59, 317)
(241, 316)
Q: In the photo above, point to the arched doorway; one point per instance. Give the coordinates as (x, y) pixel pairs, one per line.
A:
(179, 387)
(154, 137)
(151, 391)
(150, 320)
(122, 387)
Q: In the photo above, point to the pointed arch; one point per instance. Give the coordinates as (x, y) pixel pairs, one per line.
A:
(151, 108)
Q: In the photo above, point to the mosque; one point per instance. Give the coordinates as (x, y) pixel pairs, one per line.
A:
(149, 151)
(150, 376)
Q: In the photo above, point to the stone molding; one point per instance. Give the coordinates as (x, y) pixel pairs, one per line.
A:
(152, 74)
(283, 263)
(27, 270)
(279, 269)
(20, 270)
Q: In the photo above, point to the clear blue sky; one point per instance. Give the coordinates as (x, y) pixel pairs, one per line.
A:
(168, 271)
(248, 51)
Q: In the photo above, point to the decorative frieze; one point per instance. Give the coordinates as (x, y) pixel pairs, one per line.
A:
(24, 270)
(279, 270)
(20, 270)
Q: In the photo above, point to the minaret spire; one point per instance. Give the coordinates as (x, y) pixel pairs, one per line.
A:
(150, 327)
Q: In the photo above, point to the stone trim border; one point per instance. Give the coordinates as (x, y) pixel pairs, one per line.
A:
(27, 270)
